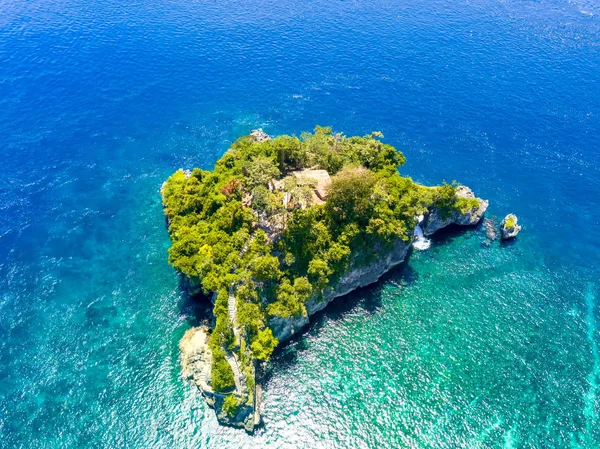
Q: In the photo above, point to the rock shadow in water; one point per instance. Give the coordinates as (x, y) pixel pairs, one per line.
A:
(508, 243)
(448, 234)
(197, 308)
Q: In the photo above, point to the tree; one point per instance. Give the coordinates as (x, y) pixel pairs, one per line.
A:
(290, 154)
(250, 315)
(260, 171)
(232, 189)
(221, 376)
(445, 199)
(323, 149)
(231, 405)
(290, 298)
(260, 199)
(371, 153)
(302, 288)
(349, 198)
(265, 268)
(319, 271)
(263, 345)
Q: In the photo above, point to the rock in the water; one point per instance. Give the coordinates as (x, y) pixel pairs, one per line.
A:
(436, 220)
(491, 231)
(260, 135)
(510, 227)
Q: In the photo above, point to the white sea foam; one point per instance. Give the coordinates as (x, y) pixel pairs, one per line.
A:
(420, 241)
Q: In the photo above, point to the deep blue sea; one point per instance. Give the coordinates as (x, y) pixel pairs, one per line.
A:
(464, 346)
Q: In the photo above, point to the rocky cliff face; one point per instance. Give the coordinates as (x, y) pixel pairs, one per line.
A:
(284, 328)
(435, 220)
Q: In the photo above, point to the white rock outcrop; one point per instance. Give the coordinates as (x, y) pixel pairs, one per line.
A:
(260, 135)
(436, 220)
(510, 227)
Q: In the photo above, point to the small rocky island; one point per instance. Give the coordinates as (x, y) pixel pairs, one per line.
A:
(280, 228)
(509, 227)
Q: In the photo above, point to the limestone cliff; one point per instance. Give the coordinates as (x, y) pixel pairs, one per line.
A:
(284, 328)
(436, 219)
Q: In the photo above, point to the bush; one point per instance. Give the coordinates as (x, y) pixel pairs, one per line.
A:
(510, 223)
(263, 345)
(231, 405)
(221, 373)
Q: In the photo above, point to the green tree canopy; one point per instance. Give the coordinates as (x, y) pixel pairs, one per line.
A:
(260, 171)
(264, 345)
(350, 196)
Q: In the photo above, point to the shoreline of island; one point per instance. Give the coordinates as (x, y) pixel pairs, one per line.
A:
(275, 196)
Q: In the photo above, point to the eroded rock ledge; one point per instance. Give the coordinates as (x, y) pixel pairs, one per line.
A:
(436, 220)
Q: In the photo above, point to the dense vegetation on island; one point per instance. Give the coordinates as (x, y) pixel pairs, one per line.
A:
(219, 224)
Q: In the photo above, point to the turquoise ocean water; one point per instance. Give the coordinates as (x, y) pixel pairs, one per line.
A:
(464, 346)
